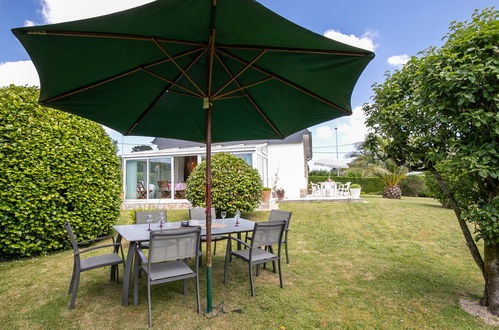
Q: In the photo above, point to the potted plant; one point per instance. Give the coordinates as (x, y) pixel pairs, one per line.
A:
(355, 190)
(280, 193)
(266, 194)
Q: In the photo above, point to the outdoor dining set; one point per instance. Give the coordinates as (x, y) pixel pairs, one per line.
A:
(162, 250)
(331, 189)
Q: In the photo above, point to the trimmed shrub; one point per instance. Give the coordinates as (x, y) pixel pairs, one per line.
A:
(369, 185)
(414, 185)
(55, 167)
(235, 185)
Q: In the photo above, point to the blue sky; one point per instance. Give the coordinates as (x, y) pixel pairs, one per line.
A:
(393, 29)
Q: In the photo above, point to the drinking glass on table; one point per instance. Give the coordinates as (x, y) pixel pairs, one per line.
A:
(149, 220)
(237, 216)
(223, 214)
(162, 221)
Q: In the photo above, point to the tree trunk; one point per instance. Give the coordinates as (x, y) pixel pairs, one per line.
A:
(475, 253)
(392, 192)
(491, 254)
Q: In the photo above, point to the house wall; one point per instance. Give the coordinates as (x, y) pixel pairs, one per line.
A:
(288, 161)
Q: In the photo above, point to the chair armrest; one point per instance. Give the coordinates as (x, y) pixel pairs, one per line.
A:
(97, 247)
(142, 256)
(96, 239)
(237, 240)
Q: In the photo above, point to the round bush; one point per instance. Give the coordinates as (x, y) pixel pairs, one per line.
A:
(235, 184)
(414, 185)
(55, 167)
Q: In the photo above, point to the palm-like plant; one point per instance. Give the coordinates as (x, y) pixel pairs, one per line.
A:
(390, 173)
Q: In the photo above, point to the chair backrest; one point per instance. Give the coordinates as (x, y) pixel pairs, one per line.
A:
(72, 238)
(267, 233)
(276, 215)
(164, 186)
(174, 244)
(140, 186)
(142, 216)
(199, 213)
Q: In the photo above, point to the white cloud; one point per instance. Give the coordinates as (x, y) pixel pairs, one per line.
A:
(354, 130)
(398, 60)
(365, 41)
(18, 73)
(324, 132)
(28, 23)
(55, 11)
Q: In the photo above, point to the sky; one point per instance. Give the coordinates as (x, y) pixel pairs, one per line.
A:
(394, 30)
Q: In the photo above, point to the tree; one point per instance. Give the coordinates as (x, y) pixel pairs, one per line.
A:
(439, 113)
(55, 167)
(141, 147)
(371, 159)
(235, 185)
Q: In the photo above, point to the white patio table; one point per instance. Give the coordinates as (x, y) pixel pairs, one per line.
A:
(329, 185)
(135, 234)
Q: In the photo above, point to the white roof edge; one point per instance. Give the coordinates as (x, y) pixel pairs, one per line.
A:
(193, 150)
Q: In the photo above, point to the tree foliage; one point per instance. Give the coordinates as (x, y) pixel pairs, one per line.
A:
(440, 113)
(141, 147)
(55, 167)
(235, 184)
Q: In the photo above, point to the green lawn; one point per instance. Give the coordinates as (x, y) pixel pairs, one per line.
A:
(383, 264)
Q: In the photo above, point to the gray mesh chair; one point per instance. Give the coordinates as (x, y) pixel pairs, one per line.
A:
(276, 215)
(142, 216)
(198, 213)
(265, 234)
(82, 265)
(168, 252)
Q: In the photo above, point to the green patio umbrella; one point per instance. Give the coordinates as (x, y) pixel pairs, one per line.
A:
(198, 70)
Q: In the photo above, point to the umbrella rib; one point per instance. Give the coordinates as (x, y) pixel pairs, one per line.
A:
(164, 91)
(295, 50)
(224, 95)
(124, 74)
(234, 77)
(287, 82)
(250, 99)
(154, 74)
(163, 49)
(112, 36)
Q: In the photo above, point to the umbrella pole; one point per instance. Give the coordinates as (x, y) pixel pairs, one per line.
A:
(209, 294)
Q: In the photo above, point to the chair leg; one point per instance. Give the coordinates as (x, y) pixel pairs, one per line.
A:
(251, 279)
(112, 275)
(186, 289)
(117, 274)
(74, 290)
(72, 281)
(136, 277)
(197, 293)
(286, 250)
(280, 273)
(215, 248)
(226, 263)
(149, 303)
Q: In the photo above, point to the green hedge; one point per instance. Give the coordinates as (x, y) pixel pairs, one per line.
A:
(55, 167)
(369, 185)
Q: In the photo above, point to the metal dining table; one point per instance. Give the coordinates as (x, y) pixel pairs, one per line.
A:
(137, 233)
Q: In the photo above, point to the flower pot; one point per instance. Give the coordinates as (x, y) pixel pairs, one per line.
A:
(355, 193)
(280, 196)
(266, 195)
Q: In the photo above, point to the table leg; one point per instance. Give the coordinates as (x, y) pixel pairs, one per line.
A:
(238, 244)
(128, 273)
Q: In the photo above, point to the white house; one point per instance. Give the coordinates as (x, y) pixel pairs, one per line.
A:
(158, 176)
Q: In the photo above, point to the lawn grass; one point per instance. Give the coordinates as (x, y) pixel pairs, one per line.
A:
(383, 264)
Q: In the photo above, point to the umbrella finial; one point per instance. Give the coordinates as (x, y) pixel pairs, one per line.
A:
(206, 103)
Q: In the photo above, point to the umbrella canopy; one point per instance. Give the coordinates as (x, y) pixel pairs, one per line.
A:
(332, 163)
(197, 70)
